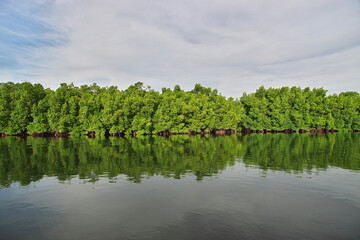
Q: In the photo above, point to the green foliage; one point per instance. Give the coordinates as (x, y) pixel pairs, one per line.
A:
(294, 108)
(63, 114)
(16, 104)
(29, 108)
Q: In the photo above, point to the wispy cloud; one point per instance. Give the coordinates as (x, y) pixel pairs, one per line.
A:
(234, 46)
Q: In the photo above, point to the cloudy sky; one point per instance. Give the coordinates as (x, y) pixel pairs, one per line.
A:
(234, 46)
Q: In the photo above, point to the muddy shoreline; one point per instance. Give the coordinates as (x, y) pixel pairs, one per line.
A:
(167, 133)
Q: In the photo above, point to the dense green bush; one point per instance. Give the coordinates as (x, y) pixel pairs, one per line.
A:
(29, 108)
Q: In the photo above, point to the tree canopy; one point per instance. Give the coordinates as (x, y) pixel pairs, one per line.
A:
(30, 108)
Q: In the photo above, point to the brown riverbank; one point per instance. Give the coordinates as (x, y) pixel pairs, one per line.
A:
(167, 133)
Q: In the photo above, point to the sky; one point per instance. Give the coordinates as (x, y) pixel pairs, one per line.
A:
(233, 46)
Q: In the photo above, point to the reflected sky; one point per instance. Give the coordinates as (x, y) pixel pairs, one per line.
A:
(237, 203)
(232, 187)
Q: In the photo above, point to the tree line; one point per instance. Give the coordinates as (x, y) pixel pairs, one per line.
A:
(27, 108)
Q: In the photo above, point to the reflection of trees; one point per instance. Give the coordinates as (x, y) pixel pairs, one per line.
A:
(298, 152)
(27, 160)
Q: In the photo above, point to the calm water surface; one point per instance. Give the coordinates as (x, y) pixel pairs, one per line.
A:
(233, 187)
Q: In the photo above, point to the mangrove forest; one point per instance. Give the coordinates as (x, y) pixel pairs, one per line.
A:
(31, 109)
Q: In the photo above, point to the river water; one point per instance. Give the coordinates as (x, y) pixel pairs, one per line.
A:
(272, 186)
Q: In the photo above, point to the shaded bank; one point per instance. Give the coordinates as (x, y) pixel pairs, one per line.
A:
(30, 159)
(167, 133)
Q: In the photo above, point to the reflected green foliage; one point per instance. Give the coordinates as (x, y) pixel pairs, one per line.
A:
(27, 160)
(301, 152)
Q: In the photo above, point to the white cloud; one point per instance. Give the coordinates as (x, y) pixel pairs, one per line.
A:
(234, 46)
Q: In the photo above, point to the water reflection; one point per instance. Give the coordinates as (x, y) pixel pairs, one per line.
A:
(27, 160)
